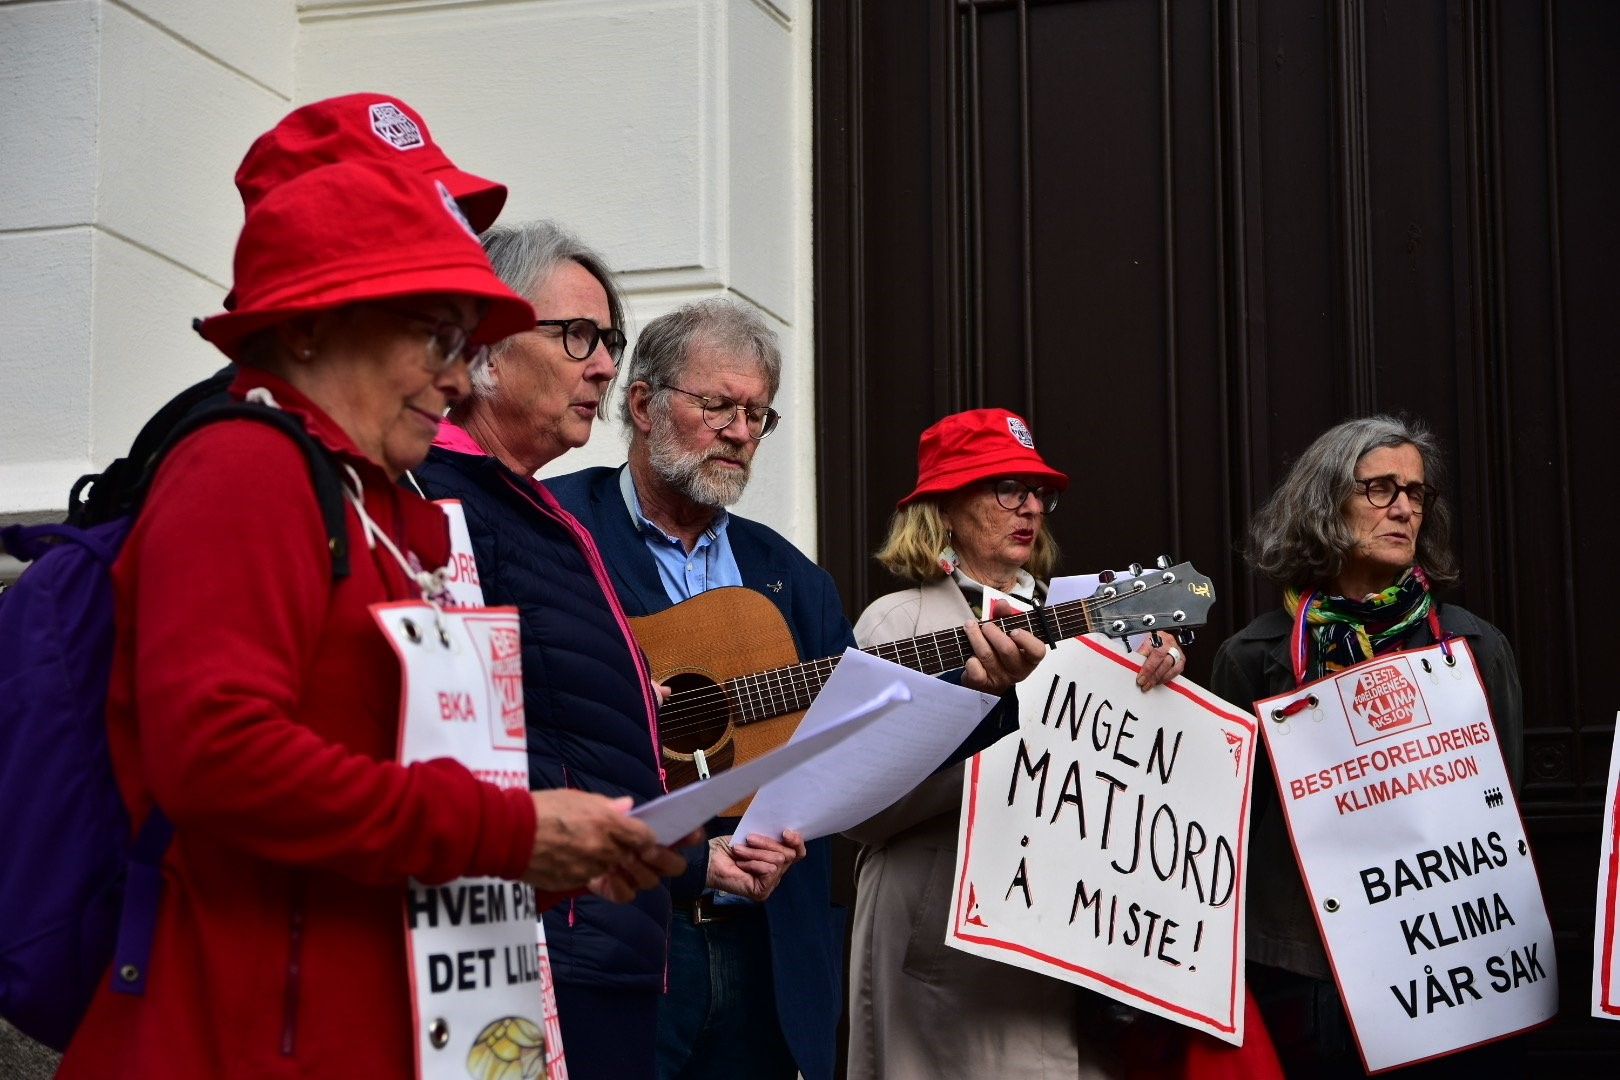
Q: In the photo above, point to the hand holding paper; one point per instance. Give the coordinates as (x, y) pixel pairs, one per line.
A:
(678, 813)
(875, 766)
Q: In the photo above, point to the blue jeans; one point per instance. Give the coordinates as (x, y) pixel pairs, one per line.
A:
(718, 1021)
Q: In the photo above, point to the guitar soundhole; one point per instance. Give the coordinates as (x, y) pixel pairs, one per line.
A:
(694, 718)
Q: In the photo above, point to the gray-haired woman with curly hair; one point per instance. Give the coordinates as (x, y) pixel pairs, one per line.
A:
(1356, 535)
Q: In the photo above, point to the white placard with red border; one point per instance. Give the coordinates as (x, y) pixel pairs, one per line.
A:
(1605, 953)
(1413, 854)
(479, 1005)
(461, 581)
(1104, 843)
(464, 589)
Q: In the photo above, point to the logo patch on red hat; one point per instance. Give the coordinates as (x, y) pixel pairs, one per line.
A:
(454, 208)
(1020, 432)
(394, 127)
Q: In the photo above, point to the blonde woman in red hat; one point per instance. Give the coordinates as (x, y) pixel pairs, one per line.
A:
(254, 699)
(972, 536)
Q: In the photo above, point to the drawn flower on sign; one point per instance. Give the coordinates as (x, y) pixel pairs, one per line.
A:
(512, 1048)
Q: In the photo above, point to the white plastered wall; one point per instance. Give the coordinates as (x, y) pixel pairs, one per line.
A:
(673, 135)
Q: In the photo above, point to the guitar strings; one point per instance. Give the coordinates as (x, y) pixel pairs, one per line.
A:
(792, 687)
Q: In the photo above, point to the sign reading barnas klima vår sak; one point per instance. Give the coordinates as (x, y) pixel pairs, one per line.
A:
(1413, 854)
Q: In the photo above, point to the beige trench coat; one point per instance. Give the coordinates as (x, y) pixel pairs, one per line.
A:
(918, 1008)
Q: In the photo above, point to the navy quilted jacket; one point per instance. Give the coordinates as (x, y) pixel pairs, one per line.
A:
(584, 696)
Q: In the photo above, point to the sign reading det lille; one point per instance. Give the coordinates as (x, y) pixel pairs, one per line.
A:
(1413, 854)
(1104, 843)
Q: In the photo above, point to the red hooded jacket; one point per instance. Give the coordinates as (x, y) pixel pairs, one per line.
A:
(254, 699)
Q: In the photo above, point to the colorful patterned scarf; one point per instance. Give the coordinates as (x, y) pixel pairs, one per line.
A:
(1345, 631)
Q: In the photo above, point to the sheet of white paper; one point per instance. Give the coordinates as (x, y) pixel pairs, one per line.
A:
(674, 815)
(870, 770)
(1061, 590)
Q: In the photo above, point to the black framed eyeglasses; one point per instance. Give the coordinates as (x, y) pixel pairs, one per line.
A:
(719, 412)
(449, 339)
(1382, 490)
(580, 337)
(1011, 494)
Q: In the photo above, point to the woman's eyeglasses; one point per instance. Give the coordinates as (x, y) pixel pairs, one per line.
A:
(580, 337)
(1382, 490)
(719, 412)
(1012, 493)
(449, 339)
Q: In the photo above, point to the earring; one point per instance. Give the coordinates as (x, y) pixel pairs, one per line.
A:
(308, 353)
(948, 560)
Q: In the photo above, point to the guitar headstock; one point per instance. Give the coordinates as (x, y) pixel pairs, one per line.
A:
(1162, 598)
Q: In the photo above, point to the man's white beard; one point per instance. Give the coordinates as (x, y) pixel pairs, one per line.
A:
(687, 471)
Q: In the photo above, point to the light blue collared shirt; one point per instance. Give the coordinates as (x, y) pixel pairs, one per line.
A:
(709, 565)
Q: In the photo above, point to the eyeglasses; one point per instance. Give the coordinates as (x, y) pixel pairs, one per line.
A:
(1381, 492)
(1011, 494)
(449, 338)
(580, 337)
(719, 412)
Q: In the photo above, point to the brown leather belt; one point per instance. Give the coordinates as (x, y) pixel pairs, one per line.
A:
(705, 910)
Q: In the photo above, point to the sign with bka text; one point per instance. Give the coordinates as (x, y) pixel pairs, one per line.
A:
(1413, 854)
(1104, 843)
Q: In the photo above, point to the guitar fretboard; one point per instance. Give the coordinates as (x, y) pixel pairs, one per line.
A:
(767, 694)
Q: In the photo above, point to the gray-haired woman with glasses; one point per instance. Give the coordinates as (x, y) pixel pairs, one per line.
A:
(1357, 534)
(589, 703)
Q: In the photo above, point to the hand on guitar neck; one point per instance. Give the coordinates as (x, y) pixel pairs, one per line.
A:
(1000, 659)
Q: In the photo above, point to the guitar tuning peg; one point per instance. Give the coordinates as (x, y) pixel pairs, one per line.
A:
(1162, 562)
(1106, 576)
(1136, 569)
(1187, 636)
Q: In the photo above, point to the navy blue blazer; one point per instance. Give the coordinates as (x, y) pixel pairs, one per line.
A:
(806, 927)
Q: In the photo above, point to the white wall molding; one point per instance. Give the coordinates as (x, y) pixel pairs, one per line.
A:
(672, 135)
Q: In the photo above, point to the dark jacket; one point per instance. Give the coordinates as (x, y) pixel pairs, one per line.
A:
(1254, 664)
(586, 695)
(807, 929)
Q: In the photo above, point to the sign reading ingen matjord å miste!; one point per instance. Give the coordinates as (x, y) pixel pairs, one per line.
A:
(1104, 843)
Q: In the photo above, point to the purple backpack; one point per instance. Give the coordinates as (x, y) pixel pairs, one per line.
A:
(77, 891)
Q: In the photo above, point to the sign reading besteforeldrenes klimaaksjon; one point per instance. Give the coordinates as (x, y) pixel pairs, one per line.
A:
(1413, 854)
(1103, 844)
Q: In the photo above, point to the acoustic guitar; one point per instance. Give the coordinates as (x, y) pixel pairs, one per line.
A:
(740, 689)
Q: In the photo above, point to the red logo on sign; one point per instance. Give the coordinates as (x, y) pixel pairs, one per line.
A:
(1382, 700)
(506, 672)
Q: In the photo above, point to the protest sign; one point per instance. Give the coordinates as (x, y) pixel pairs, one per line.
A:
(482, 1000)
(1413, 854)
(1605, 955)
(1104, 843)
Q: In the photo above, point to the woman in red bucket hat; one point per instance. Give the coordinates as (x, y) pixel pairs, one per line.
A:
(971, 536)
(254, 699)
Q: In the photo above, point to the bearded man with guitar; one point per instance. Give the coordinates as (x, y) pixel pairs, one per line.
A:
(754, 989)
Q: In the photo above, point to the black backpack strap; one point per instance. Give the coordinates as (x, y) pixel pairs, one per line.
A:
(116, 490)
(328, 488)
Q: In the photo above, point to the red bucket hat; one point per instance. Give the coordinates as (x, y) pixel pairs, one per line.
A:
(357, 231)
(361, 127)
(977, 445)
